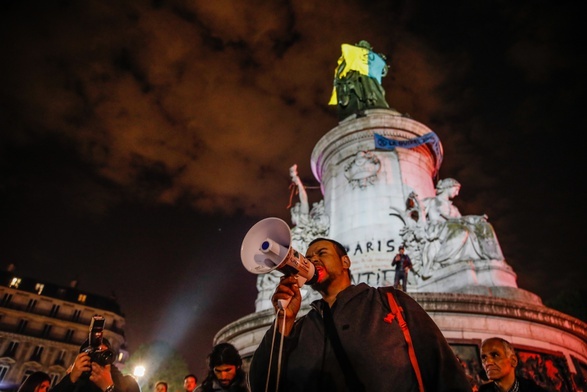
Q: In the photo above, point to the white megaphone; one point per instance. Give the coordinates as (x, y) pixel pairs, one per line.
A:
(267, 247)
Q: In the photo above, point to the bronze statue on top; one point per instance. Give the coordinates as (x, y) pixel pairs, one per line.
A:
(357, 80)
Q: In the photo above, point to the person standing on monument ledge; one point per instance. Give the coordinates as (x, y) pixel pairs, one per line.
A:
(499, 361)
(351, 339)
(403, 265)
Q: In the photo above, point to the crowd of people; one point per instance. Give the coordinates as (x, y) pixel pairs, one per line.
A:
(225, 373)
(354, 338)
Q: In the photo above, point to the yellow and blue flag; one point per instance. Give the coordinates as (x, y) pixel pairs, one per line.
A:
(362, 60)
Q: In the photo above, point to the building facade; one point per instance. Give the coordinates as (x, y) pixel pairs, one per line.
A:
(43, 325)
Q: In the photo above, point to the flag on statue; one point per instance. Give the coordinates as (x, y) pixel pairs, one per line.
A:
(362, 60)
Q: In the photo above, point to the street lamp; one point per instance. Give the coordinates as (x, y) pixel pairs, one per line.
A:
(138, 372)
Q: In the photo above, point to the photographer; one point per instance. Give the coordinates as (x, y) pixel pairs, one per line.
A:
(87, 375)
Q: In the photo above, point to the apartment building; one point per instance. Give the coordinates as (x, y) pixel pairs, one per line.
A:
(42, 326)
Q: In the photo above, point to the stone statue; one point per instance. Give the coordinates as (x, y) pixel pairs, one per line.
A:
(357, 80)
(300, 212)
(308, 224)
(439, 235)
(452, 237)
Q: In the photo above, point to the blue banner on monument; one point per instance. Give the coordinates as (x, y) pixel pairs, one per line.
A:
(430, 138)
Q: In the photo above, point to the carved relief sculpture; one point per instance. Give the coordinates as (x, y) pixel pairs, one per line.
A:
(437, 234)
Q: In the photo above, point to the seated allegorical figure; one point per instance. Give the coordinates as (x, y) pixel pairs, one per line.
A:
(451, 237)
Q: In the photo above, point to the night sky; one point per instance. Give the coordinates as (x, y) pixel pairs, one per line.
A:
(139, 141)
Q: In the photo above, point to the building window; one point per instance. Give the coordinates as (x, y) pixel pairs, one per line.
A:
(60, 360)
(31, 305)
(39, 288)
(46, 330)
(76, 314)
(3, 370)
(69, 335)
(54, 378)
(15, 282)
(54, 311)
(26, 374)
(37, 354)
(6, 299)
(81, 298)
(22, 324)
(11, 349)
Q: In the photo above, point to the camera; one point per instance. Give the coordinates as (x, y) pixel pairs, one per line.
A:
(101, 357)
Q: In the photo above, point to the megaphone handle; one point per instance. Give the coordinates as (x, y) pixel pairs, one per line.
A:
(301, 280)
(282, 303)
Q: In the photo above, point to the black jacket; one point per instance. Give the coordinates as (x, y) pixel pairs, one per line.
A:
(525, 386)
(376, 348)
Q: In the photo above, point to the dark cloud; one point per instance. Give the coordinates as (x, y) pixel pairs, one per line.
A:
(142, 139)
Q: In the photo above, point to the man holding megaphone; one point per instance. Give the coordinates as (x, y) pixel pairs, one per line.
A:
(351, 339)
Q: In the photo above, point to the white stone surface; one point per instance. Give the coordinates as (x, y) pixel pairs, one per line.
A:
(365, 194)
(366, 191)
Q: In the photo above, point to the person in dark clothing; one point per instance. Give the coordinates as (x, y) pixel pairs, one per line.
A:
(499, 361)
(161, 386)
(225, 372)
(36, 382)
(190, 382)
(402, 264)
(85, 375)
(349, 340)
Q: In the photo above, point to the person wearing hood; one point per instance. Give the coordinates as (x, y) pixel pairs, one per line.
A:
(225, 371)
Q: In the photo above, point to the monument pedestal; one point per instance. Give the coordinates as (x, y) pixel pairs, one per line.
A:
(373, 197)
(465, 320)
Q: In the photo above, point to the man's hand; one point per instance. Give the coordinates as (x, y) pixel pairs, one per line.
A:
(288, 291)
(81, 364)
(101, 376)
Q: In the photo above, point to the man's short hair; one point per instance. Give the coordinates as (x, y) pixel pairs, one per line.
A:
(191, 375)
(162, 383)
(402, 247)
(340, 249)
(507, 346)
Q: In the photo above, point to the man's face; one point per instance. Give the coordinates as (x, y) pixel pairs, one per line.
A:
(225, 374)
(496, 362)
(329, 265)
(43, 387)
(160, 388)
(189, 384)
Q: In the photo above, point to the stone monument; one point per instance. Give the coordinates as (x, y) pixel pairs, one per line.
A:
(376, 171)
